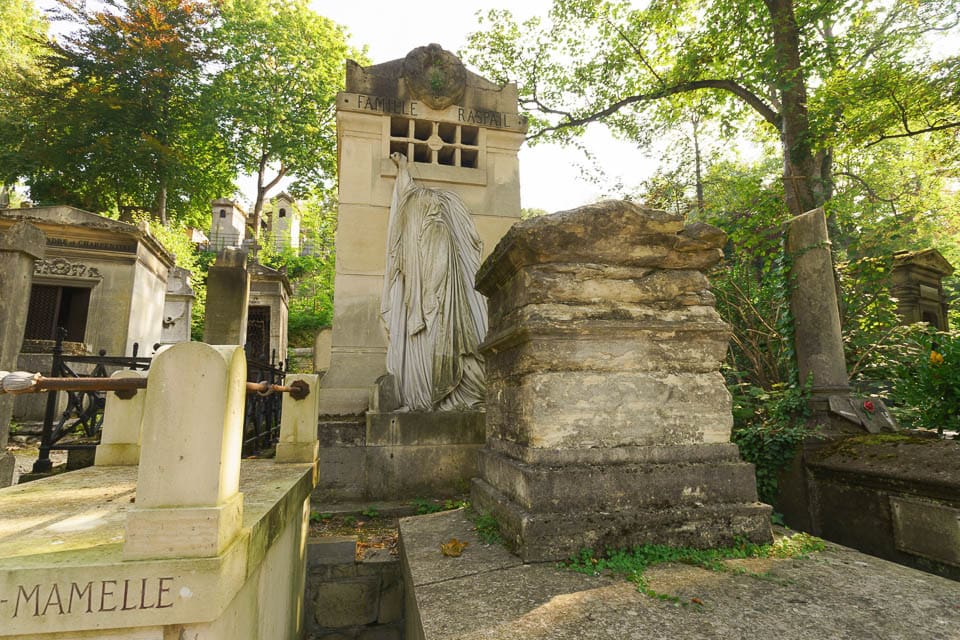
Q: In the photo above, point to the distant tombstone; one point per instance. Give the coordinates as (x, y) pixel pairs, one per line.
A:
(177, 307)
(227, 224)
(918, 287)
(228, 294)
(268, 313)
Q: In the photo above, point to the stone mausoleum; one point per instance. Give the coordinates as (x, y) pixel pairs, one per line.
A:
(102, 280)
(459, 135)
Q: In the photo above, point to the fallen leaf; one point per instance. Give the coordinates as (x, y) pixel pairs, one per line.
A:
(453, 548)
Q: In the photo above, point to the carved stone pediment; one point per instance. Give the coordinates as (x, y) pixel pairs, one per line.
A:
(62, 267)
(927, 258)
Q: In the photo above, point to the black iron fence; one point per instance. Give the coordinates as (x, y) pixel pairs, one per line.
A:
(82, 418)
(79, 423)
(261, 419)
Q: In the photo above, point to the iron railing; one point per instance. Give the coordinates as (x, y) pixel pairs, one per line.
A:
(83, 414)
(261, 420)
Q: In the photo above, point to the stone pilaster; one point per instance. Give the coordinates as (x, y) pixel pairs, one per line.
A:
(608, 422)
(20, 247)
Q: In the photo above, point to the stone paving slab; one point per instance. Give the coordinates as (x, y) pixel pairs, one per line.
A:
(835, 594)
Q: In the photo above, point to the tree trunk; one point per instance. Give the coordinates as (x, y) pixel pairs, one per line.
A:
(802, 184)
(262, 190)
(162, 202)
(698, 163)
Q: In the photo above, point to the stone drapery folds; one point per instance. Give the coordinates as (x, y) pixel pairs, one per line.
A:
(434, 317)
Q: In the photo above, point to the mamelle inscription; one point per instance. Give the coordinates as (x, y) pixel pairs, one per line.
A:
(94, 596)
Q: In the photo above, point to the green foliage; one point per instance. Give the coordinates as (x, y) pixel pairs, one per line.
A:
(824, 81)
(371, 512)
(311, 275)
(424, 506)
(22, 29)
(487, 528)
(120, 125)
(633, 563)
(282, 68)
(927, 381)
(769, 425)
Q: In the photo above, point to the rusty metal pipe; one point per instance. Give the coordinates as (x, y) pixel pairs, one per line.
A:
(127, 387)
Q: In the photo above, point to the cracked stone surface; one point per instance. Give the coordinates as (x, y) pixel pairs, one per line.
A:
(488, 594)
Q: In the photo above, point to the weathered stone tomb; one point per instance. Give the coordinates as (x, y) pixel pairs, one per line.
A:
(608, 422)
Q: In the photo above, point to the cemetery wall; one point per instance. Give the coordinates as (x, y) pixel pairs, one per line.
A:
(347, 599)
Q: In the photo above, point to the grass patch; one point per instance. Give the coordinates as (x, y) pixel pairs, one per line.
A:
(424, 506)
(487, 528)
(633, 563)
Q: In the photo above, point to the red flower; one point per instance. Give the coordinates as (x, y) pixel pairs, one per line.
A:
(868, 406)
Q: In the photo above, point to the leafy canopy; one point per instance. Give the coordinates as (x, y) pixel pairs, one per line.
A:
(282, 66)
(816, 74)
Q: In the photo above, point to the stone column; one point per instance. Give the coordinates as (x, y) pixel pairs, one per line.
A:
(298, 422)
(20, 246)
(228, 296)
(122, 419)
(813, 302)
(188, 500)
(608, 422)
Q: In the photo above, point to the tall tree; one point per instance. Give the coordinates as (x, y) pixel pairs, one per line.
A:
(283, 66)
(817, 73)
(121, 125)
(22, 33)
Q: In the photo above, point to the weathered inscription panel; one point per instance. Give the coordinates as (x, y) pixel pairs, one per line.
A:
(415, 109)
(93, 597)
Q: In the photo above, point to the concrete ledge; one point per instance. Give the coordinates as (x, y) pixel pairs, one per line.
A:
(487, 594)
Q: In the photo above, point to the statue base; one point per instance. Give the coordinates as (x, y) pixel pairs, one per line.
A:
(399, 455)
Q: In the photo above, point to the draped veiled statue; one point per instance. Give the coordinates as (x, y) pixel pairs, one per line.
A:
(434, 317)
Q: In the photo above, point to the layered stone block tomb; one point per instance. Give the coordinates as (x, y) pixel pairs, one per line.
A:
(608, 422)
(170, 534)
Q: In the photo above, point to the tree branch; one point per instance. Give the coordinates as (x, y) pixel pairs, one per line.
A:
(863, 183)
(636, 50)
(731, 86)
(908, 133)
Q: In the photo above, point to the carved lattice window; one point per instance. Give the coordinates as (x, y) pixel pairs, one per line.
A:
(428, 142)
